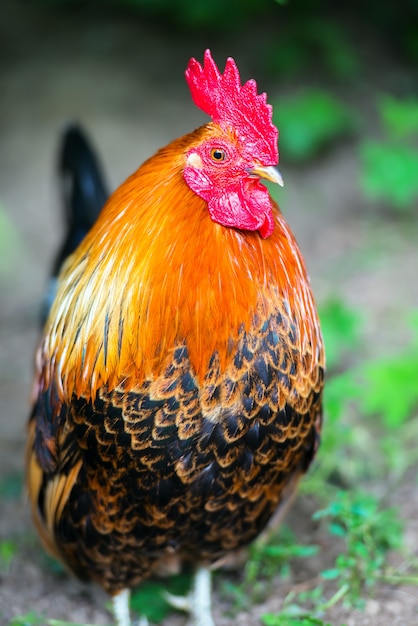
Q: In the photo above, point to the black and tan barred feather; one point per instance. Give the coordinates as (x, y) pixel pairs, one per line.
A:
(174, 467)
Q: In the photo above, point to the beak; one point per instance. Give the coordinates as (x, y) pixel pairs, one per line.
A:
(269, 173)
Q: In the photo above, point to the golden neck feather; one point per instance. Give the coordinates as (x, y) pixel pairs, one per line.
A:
(156, 272)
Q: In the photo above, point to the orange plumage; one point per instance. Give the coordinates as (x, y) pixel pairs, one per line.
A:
(180, 370)
(179, 292)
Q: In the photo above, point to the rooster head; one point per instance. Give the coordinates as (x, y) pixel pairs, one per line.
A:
(238, 148)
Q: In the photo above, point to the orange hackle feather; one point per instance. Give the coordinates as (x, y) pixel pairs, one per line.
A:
(139, 285)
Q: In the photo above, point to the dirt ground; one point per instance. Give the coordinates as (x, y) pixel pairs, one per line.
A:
(124, 81)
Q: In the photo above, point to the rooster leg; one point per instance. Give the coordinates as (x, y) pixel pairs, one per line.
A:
(121, 610)
(201, 599)
(198, 602)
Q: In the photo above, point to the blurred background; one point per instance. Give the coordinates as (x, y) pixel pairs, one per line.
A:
(343, 81)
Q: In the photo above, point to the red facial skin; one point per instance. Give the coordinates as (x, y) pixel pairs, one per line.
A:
(219, 170)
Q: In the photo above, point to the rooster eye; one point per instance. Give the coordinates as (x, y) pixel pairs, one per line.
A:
(218, 154)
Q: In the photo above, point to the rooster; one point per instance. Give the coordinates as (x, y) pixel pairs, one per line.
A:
(180, 370)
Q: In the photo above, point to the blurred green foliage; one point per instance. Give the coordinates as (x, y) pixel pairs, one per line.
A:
(399, 117)
(183, 14)
(341, 329)
(307, 37)
(367, 401)
(34, 619)
(390, 387)
(389, 166)
(199, 13)
(28, 619)
(8, 551)
(389, 173)
(309, 30)
(149, 600)
(383, 386)
(266, 560)
(369, 532)
(309, 122)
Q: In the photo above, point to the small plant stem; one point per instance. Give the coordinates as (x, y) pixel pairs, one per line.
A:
(335, 598)
(398, 579)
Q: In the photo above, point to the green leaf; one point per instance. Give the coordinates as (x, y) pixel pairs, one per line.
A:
(399, 117)
(337, 529)
(148, 600)
(339, 391)
(389, 172)
(391, 388)
(330, 574)
(292, 551)
(28, 619)
(310, 122)
(341, 330)
(8, 550)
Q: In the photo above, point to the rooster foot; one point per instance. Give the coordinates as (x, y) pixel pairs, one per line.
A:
(121, 610)
(198, 602)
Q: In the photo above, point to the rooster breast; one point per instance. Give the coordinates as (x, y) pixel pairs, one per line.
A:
(174, 466)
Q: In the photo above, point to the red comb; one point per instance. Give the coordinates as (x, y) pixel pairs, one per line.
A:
(231, 104)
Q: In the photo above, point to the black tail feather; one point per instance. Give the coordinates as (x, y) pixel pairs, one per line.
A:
(83, 189)
(84, 192)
